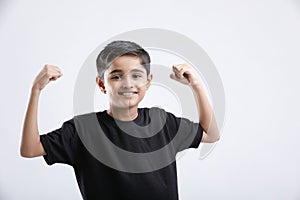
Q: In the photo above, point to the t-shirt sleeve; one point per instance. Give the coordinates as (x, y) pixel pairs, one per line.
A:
(189, 133)
(59, 144)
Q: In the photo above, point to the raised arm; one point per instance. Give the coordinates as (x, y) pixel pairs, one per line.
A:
(30, 142)
(186, 75)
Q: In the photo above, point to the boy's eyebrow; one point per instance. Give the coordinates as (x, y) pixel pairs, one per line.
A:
(137, 70)
(119, 70)
(115, 71)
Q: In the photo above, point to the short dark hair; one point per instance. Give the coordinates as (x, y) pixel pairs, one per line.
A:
(119, 48)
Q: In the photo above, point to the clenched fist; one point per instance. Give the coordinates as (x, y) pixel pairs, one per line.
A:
(48, 73)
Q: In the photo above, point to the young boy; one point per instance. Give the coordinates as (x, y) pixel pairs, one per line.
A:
(124, 75)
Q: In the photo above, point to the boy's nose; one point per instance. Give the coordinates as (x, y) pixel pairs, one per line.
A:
(127, 83)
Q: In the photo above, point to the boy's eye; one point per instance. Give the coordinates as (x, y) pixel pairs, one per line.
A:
(116, 77)
(137, 76)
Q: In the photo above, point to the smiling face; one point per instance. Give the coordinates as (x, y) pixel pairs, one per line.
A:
(125, 82)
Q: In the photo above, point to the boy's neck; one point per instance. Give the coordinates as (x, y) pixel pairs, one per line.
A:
(127, 114)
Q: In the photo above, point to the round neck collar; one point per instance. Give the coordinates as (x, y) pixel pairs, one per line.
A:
(122, 121)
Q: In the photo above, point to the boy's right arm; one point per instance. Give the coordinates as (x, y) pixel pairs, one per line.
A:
(31, 145)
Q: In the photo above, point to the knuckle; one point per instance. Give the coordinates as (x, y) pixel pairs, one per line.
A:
(47, 68)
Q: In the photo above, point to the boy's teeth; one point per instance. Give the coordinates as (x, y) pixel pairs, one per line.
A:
(127, 93)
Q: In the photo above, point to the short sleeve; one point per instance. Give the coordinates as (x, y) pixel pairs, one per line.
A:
(59, 144)
(190, 133)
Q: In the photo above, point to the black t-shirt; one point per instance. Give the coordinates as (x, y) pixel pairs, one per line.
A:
(97, 180)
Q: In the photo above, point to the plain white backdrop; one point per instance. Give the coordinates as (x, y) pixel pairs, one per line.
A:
(254, 44)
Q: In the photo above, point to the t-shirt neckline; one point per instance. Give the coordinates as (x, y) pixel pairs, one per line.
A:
(136, 119)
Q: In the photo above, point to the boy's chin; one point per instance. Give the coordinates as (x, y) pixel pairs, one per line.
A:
(126, 106)
(126, 103)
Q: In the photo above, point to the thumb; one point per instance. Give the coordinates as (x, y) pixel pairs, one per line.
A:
(172, 76)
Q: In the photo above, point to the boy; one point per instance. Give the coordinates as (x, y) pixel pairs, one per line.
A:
(124, 75)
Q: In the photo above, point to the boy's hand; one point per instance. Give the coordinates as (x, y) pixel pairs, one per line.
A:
(184, 73)
(48, 73)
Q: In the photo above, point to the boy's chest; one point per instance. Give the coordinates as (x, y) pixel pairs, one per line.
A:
(95, 176)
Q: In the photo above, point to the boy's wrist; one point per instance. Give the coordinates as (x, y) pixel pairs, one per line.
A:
(197, 85)
(35, 90)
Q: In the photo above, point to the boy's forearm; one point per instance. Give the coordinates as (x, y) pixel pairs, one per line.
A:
(30, 134)
(206, 116)
(204, 109)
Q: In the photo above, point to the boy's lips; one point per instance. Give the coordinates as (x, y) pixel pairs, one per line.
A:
(127, 93)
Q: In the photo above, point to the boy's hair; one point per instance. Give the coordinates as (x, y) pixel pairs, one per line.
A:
(119, 48)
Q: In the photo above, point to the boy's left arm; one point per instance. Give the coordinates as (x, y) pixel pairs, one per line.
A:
(184, 74)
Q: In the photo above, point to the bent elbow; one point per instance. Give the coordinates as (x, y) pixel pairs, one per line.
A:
(25, 154)
(213, 140)
(217, 139)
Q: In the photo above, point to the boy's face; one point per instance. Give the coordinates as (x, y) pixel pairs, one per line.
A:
(125, 82)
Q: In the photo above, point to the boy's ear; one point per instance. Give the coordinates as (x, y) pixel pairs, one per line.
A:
(149, 79)
(100, 83)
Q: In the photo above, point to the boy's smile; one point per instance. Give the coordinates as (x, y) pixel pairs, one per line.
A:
(125, 82)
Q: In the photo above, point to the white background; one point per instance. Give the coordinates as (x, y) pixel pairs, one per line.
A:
(254, 44)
